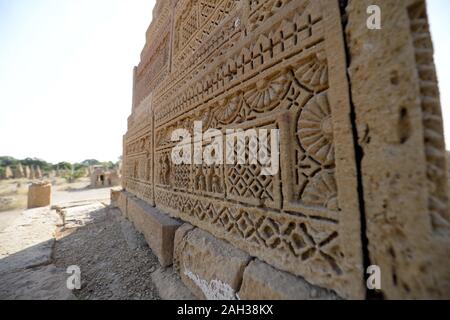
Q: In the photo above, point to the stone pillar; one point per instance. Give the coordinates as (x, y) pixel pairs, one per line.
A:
(32, 173)
(38, 173)
(19, 172)
(27, 172)
(39, 195)
(402, 150)
(8, 173)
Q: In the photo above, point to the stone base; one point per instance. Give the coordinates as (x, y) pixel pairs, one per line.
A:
(263, 282)
(122, 202)
(211, 268)
(39, 195)
(215, 270)
(157, 228)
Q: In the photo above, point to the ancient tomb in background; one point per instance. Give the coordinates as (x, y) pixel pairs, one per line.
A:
(362, 176)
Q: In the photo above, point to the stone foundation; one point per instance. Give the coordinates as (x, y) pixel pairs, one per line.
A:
(157, 228)
(362, 176)
(39, 195)
(211, 268)
(263, 282)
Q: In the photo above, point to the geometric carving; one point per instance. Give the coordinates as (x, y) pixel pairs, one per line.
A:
(252, 65)
(285, 65)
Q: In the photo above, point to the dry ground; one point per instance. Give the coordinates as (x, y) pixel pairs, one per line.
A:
(115, 261)
(37, 246)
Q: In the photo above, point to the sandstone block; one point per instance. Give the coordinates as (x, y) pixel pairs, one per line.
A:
(362, 177)
(178, 242)
(404, 170)
(115, 197)
(39, 195)
(122, 203)
(211, 268)
(263, 282)
(157, 228)
(170, 286)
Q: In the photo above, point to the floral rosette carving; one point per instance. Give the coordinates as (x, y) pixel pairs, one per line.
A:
(315, 129)
(229, 109)
(322, 191)
(313, 73)
(267, 93)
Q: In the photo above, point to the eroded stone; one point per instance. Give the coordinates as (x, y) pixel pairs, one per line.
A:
(263, 282)
(211, 268)
(404, 170)
(157, 228)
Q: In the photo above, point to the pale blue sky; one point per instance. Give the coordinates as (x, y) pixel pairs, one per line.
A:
(66, 74)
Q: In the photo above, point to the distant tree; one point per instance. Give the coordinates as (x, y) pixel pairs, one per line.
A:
(73, 176)
(8, 161)
(79, 166)
(63, 166)
(35, 162)
(108, 165)
(90, 162)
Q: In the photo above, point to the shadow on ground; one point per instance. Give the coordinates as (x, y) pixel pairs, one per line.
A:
(114, 260)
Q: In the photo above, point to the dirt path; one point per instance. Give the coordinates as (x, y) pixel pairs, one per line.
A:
(7, 218)
(114, 260)
(38, 246)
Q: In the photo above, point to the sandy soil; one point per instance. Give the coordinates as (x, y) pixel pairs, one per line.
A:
(37, 246)
(114, 260)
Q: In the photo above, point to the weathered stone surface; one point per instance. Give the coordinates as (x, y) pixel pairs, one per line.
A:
(170, 286)
(209, 267)
(19, 172)
(27, 172)
(263, 282)
(39, 195)
(404, 170)
(248, 65)
(157, 228)
(44, 283)
(8, 173)
(115, 197)
(180, 236)
(361, 175)
(29, 241)
(122, 203)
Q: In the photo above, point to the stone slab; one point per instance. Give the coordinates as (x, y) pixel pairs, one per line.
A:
(263, 282)
(43, 283)
(157, 228)
(28, 242)
(403, 158)
(211, 268)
